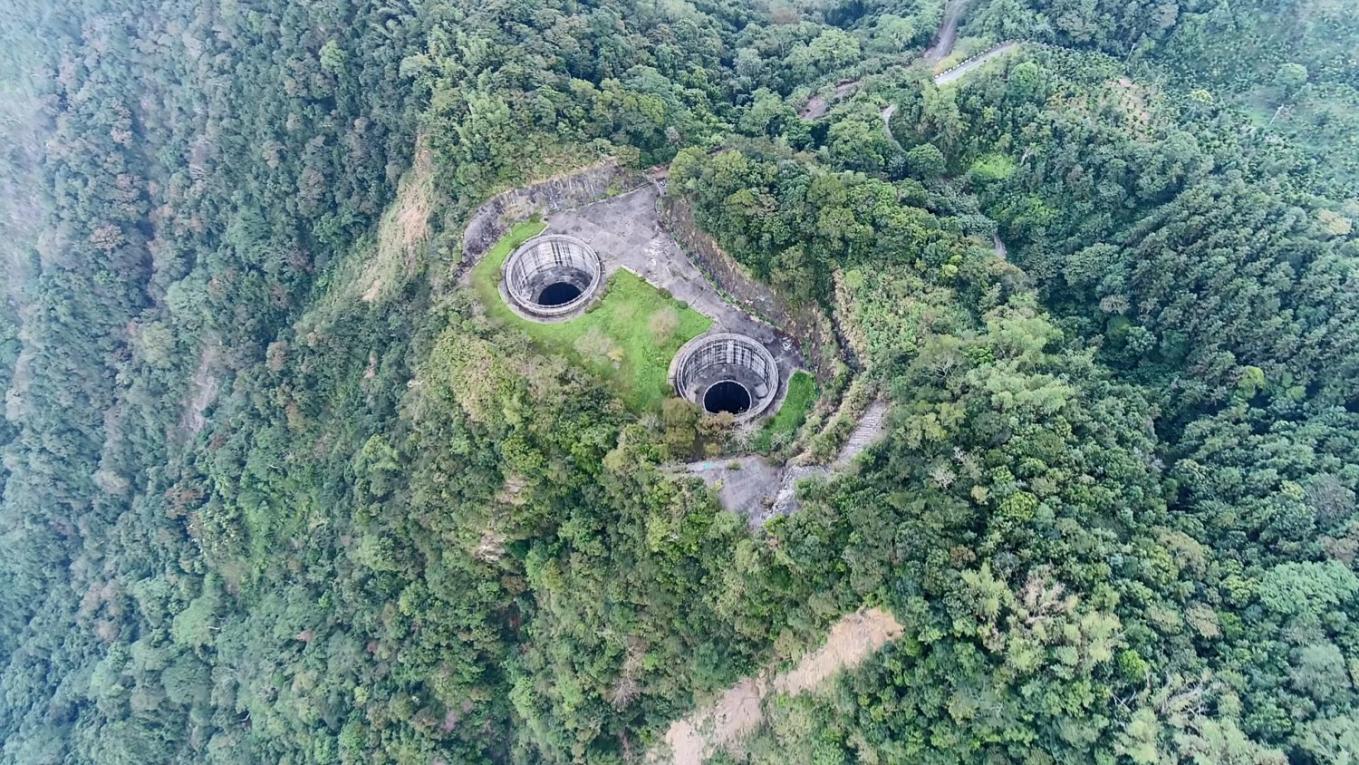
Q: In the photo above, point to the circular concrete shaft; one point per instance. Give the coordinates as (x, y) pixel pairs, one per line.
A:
(726, 372)
(551, 277)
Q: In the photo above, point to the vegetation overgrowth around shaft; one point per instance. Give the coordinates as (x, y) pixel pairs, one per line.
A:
(797, 402)
(627, 338)
(271, 496)
(486, 273)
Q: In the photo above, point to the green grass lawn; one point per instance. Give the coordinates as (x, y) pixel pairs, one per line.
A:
(796, 404)
(627, 338)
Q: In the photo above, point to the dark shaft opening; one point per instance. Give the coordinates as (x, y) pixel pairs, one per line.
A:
(558, 293)
(726, 396)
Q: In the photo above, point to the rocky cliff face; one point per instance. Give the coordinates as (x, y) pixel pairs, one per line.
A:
(804, 322)
(493, 218)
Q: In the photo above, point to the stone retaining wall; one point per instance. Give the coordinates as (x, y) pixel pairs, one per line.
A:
(806, 323)
(490, 221)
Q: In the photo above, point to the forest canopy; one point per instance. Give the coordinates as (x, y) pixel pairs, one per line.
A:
(278, 487)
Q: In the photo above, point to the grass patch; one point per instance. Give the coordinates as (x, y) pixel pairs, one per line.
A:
(487, 272)
(627, 338)
(991, 168)
(802, 392)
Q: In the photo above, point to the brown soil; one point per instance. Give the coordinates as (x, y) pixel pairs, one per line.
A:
(851, 640)
(815, 108)
(738, 712)
(405, 227)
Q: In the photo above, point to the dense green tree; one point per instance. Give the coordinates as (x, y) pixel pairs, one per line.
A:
(276, 489)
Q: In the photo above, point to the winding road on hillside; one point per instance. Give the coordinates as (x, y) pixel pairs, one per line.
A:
(958, 72)
(944, 40)
(943, 47)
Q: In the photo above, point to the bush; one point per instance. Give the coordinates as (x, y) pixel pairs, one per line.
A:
(926, 161)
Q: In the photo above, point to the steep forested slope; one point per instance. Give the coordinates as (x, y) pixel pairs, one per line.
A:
(276, 489)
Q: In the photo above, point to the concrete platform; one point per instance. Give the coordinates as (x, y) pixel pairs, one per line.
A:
(752, 487)
(626, 232)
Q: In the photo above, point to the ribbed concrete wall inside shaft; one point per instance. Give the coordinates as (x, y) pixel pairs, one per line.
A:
(552, 277)
(726, 372)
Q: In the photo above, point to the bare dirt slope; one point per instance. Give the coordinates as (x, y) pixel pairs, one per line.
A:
(870, 428)
(739, 711)
(948, 33)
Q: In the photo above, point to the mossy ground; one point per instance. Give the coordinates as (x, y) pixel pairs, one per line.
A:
(802, 392)
(627, 338)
